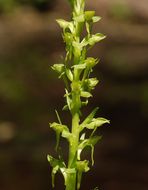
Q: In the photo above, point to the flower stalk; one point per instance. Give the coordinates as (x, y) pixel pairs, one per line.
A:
(75, 71)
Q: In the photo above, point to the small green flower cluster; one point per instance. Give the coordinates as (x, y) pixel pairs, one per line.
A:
(75, 71)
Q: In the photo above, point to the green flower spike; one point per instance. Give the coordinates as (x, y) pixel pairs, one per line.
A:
(75, 70)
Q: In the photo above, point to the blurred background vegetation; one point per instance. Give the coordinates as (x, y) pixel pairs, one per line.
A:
(30, 42)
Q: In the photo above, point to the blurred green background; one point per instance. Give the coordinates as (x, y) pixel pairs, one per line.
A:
(30, 42)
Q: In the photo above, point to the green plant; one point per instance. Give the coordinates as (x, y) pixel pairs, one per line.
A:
(75, 72)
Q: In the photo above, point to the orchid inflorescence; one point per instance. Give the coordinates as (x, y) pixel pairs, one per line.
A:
(75, 71)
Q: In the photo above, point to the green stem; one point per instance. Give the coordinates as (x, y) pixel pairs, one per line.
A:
(74, 141)
(73, 145)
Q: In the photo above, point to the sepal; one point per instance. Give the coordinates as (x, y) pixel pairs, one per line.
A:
(88, 142)
(59, 68)
(96, 122)
(95, 38)
(82, 166)
(58, 128)
(89, 15)
(89, 117)
(85, 94)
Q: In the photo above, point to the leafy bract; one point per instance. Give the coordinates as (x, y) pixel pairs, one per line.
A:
(89, 117)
